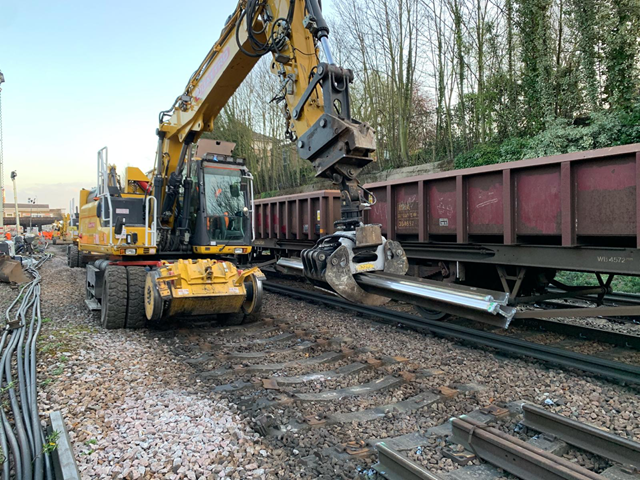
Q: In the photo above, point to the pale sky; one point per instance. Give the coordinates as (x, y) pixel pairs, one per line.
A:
(82, 74)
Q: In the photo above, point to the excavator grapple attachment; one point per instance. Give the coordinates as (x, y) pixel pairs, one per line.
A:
(336, 258)
(202, 287)
(11, 271)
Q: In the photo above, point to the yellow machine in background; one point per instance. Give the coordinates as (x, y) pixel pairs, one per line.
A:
(113, 217)
(65, 231)
(163, 245)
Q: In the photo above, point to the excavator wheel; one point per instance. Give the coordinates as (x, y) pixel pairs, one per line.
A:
(153, 303)
(253, 304)
(114, 297)
(250, 308)
(73, 256)
(135, 306)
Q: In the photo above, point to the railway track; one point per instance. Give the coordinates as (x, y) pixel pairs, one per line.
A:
(329, 400)
(614, 299)
(622, 339)
(305, 390)
(551, 325)
(553, 355)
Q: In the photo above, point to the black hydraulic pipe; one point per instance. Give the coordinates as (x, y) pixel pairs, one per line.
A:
(322, 28)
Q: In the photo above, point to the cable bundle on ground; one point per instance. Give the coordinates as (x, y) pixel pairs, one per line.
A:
(25, 452)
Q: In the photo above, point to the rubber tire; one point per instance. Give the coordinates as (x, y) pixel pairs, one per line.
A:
(73, 256)
(114, 298)
(136, 317)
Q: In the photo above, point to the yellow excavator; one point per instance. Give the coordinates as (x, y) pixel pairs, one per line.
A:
(163, 245)
(65, 231)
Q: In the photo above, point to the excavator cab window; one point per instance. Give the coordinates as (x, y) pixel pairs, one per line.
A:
(227, 205)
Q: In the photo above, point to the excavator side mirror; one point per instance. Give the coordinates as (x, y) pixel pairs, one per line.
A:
(117, 229)
(235, 190)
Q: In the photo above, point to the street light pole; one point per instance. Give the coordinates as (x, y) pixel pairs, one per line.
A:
(32, 202)
(1, 162)
(15, 201)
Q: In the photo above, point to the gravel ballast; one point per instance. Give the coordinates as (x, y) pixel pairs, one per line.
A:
(137, 406)
(131, 408)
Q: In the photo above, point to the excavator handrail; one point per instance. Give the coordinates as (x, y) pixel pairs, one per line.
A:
(150, 225)
(103, 188)
(251, 206)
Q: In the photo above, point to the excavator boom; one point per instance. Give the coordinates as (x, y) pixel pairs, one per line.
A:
(315, 98)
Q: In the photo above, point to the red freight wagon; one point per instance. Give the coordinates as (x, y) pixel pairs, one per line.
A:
(305, 216)
(586, 198)
(528, 218)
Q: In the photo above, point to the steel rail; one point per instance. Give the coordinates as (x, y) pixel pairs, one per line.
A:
(556, 356)
(486, 306)
(613, 297)
(515, 456)
(584, 436)
(394, 466)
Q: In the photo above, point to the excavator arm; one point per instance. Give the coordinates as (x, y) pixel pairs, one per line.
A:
(314, 96)
(315, 99)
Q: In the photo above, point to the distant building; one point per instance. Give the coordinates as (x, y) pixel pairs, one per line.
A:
(34, 214)
(35, 210)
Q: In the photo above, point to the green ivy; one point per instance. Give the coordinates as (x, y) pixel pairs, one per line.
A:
(602, 129)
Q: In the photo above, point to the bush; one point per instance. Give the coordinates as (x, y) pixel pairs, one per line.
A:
(621, 283)
(483, 154)
(630, 131)
(607, 128)
(489, 153)
(604, 130)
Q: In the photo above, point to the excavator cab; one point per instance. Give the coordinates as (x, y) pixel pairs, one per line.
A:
(221, 214)
(227, 199)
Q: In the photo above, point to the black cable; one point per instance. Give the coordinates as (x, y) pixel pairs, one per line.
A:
(3, 434)
(13, 446)
(314, 54)
(249, 14)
